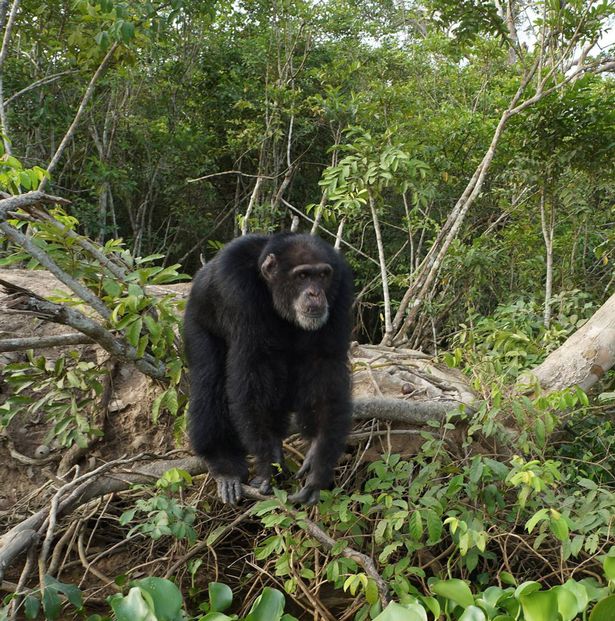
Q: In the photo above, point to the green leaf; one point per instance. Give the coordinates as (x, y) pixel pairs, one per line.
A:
(156, 406)
(112, 288)
(72, 592)
(127, 31)
(31, 606)
(51, 603)
(604, 610)
(165, 595)
(133, 332)
(567, 604)
(397, 612)
(526, 587)
(559, 527)
(102, 38)
(371, 592)
(609, 566)
(473, 613)
(454, 589)
(415, 525)
(434, 525)
(127, 517)
(132, 607)
(220, 596)
(268, 607)
(540, 606)
(580, 593)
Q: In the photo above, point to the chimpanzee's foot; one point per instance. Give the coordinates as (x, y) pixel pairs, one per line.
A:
(229, 489)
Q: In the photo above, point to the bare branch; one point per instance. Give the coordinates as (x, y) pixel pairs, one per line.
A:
(4, 128)
(80, 111)
(11, 203)
(42, 82)
(38, 342)
(232, 172)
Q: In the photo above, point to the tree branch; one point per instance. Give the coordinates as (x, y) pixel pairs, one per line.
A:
(38, 342)
(24, 301)
(45, 260)
(80, 111)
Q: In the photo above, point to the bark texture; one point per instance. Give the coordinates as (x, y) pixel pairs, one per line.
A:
(585, 357)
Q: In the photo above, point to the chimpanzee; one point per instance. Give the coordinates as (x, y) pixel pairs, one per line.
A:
(266, 331)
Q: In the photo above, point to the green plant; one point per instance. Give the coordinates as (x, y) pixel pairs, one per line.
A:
(163, 514)
(64, 391)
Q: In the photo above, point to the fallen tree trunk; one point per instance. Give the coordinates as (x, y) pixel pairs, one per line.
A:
(583, 358)
(81, 490)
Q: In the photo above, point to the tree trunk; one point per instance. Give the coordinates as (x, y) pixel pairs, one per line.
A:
(388, 328)
(585, 357)
(548, 226)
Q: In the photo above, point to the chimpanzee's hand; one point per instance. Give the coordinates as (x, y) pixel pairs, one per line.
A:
(307, 495)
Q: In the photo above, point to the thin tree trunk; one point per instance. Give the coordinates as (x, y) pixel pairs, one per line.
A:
(4, 127)
(80, 111)
(410, 235)
(338, 236)
(250, 208)
(388, 328)
(547, 233)
(420, 290)
(289, 169)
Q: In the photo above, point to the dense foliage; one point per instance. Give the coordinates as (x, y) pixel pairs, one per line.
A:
(268, 103)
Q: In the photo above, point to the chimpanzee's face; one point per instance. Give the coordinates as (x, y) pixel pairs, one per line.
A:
(299, 286)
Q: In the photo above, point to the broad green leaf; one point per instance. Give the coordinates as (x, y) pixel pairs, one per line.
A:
(371, 592)
(165, 595)
(31, 606)
(609, 566)
(567, 604)
(397, 612)
(526, 588)
(220, 596)
(132, 607)
(415, 525)
(133, 332)
(456, 590)
(112, 287)
(127, 516)
(604, 610)
(268, 607)
(559, 527)
(537, 517)
(51, 603)
(580, 593)
(473, 613)
(540, 606)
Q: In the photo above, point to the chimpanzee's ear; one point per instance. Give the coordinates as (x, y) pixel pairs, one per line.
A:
(269, 267)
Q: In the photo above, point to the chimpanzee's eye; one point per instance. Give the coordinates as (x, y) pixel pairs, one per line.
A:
(302, 275)
(323, 274)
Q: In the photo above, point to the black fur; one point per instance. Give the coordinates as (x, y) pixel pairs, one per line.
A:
(250, 367)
